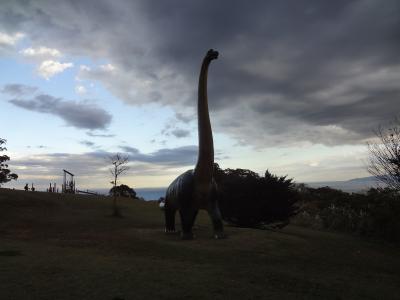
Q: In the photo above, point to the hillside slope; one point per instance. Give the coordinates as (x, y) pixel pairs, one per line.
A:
(56, 246)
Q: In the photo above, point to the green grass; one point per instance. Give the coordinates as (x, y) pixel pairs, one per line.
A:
(56, 246)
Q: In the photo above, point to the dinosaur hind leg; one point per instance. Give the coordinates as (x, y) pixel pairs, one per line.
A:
(169, 220)
(188, 217)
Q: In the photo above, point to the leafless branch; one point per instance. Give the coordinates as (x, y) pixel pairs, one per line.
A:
(384, 159)
(119, 166)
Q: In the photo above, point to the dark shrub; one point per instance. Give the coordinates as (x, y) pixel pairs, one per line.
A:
(374, 214)
(123, 191)
(248, 200)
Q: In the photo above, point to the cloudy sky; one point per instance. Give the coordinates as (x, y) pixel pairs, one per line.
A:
(298, 88)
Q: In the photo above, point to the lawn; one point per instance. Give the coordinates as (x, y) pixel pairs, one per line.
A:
(55, 246)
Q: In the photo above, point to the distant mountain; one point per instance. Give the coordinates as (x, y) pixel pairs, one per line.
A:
(351, 186)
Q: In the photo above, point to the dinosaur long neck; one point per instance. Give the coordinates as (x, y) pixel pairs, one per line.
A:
(205, 161)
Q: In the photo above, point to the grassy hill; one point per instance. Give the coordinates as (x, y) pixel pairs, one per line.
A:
(55, 246)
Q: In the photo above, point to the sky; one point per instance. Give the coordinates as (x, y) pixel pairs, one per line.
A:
(298, 88)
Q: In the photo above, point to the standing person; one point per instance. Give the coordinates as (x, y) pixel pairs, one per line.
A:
(26, 188)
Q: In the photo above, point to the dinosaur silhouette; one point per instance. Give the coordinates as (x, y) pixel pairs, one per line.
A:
(196, 189)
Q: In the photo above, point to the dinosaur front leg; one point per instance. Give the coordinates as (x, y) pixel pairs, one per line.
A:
(216, 219)
(188, 217)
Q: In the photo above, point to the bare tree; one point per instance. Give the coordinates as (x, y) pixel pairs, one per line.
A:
(119, 166)
(384, 155)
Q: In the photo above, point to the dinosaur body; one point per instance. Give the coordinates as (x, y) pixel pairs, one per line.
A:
(196, 189)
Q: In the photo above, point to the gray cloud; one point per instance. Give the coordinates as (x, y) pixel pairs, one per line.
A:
(18, 89)
(180, 133)
(171, 157)
(39, 147)
(309, 71)
(77, 114)
(85, 164)
(89, 133)
(170, 128)
(185, 118)
(88, 143)
(93, 167)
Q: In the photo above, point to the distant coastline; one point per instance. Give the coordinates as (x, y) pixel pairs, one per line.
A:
(145, 193)
(355, 185)
(151, 193)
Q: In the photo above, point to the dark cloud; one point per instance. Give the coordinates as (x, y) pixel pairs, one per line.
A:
(185, 118)
(89, 133)
(171, 129)
(180, 133)
(39, 147)
(88, 143)
(18, 89)
(171, 157)
(131, 150)
(180, 156)
(77, 114)
(289, 72)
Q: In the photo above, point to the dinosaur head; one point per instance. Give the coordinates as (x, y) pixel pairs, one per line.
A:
(212, 54)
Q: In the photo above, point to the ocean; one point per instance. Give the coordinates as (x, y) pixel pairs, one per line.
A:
(150, 193)
(145, 193)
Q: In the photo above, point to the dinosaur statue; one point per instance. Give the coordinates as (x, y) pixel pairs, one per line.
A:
(196, 189)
